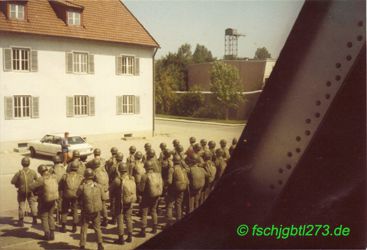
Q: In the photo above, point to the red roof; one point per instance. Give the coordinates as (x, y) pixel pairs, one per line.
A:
(101, 20)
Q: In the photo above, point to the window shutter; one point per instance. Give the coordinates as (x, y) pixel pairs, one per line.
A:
(137, 66)
(69, 62)
(119, 105)
(35, 107)
(69, 106)
(137, 105)
(118, 65)
(8, 103)
(90, 64)
(7, 59)
(92, 109)
(34, 61)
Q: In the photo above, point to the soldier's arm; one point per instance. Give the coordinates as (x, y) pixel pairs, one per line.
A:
(36, 184)
(15, 179)
(170, 176)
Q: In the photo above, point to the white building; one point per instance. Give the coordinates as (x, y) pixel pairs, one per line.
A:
(80, 66)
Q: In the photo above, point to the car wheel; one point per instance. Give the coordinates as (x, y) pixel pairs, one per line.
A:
(83, 158)
(33, 152)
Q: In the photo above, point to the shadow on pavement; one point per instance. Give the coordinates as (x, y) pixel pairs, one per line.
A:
(20, 233)
(8, 221)
(56, 245)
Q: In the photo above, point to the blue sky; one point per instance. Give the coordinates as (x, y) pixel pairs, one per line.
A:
(173, 23)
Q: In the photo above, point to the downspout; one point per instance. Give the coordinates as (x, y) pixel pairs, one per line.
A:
(155, 51)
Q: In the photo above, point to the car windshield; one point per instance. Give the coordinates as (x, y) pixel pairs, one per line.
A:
(75, 140)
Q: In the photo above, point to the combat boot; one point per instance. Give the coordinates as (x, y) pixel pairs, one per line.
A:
(142, 233)
(34, 222)
(113, 221)
(47, 236)
(74, 228)
(154, 231)
(104, 222)
(100, 246)
(120, 240)
(129, 237)
(52, 235)
(63, 228)
(21, 222)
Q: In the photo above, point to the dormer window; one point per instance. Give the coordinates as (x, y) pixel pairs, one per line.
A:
(73, 18)
(16, 11)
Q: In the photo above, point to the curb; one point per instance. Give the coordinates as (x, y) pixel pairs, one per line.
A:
(200, 122)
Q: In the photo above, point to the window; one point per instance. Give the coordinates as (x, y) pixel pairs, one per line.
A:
(81, 105)
(73, 18)
(127, 65)
(128, 104)
(20, 59)
(16, 11)
(80, 62)
(21, 106)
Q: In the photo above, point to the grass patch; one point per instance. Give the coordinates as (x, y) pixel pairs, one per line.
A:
(201, 119)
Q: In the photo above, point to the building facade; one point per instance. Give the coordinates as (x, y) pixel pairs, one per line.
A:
(83, 66)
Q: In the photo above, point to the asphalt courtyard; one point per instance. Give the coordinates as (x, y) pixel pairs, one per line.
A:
(30, 237)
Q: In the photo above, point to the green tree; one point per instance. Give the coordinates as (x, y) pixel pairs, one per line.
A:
(225, 86)
(202, 54)
(165, 83)
(262, 54)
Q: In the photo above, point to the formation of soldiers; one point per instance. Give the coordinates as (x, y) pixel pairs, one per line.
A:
(179, 179)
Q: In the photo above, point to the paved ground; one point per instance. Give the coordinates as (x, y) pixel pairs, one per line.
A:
(13, 237)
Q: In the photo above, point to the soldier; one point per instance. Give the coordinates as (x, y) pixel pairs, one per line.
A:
(197, 176)
(124, 190)
(177, 182)
(138, 172)
(233, 146)
(58, 170)
(220, 164)
(210, 178)
(112, 160)
(69, 185)
(163, 147)
(203, 144)
(112, 172)
(179, 150)
(102, 178)
(151, 187)
(151, 156)
(131, 159)
(46, 188)
(196, 151)
(212, 146)
(166, 166)
(97, 155)
(190, 149)
(223, 146)
(147, 148)
(76, 157)
(90, 195)
(21, 180)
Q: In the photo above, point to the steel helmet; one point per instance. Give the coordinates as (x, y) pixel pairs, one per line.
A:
(97, 152)
(234, 141)
(212, 144)
(219, 152)
(197, 147)
(122, 167)
(89, 173)
(138, 155)
(26, 162)
(119, 156)
(163, 146)
(207, 155)
(41, 169)
(56, 159)
(192, 140)
(74, 166)
(203, 142)
(147, 146)
(114, 150)
(223, 143)
(76, 154)
(132, 149)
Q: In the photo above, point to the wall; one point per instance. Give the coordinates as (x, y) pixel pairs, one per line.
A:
(51, 84)
(252, 73)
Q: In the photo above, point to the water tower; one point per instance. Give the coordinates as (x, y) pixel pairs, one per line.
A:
(231, 43)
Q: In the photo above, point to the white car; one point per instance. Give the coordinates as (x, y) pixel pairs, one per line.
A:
(50, 145)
